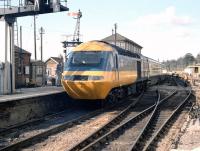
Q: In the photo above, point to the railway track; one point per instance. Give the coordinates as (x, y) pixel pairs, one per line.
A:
(132, 113)
(139, 132)
(137, 111)
(180, 82)
(159, 122)
(32, 122)
(62, 125)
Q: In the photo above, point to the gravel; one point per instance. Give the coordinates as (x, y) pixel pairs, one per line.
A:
(189, 136)
(28, 131)
(66, 139)
(125, 140)
(175, 129)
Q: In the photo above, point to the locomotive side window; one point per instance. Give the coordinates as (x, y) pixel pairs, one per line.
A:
(110, 63)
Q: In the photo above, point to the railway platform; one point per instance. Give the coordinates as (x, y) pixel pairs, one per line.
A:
(31, 103)
(25, 93)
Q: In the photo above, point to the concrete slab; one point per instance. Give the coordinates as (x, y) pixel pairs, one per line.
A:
(25, 93)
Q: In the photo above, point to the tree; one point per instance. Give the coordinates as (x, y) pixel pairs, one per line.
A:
(188, 59)
(181, 62)
(198, 58)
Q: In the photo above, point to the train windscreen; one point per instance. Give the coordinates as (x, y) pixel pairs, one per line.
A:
(88, 60)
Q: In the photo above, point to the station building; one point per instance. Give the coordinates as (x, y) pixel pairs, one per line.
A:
(22, 67)
(28, 73)
(124, 43)
(38, 72)
(193, 70)
(51, 65)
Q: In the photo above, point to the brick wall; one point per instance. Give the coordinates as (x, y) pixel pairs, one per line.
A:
(22, 72)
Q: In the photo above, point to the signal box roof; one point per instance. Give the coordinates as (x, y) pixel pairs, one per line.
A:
(120, 38)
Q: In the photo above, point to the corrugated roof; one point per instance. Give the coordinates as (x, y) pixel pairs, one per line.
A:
(123, 51)
(119, 38)
(17, 49)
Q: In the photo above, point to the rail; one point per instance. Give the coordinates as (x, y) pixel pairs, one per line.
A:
(28, 141)
(149, 145)
(119, 128)
(105, 127)
(138, 145)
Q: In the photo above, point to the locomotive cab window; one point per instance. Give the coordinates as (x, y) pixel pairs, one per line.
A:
(90, 60)
(86, 58)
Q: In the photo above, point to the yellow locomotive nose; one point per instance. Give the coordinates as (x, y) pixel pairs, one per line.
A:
(89, 90)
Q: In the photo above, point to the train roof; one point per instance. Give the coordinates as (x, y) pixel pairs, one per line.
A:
(105, 46)
(93, 45)
(150, 59)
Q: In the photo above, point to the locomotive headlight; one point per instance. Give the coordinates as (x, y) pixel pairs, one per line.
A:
(95, 77)
(68, 77)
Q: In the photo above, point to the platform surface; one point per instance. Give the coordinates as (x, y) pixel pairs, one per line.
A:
(24, 93)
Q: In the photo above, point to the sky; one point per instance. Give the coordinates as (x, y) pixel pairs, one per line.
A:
(166, 29)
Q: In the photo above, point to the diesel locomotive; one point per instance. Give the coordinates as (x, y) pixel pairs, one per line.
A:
(96, 70)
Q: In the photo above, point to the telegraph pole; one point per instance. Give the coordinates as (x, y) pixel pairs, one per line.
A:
(41, 40)
(35, 45)
(20, 36)
(115, 33)
(41, 47)
(21, 49)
